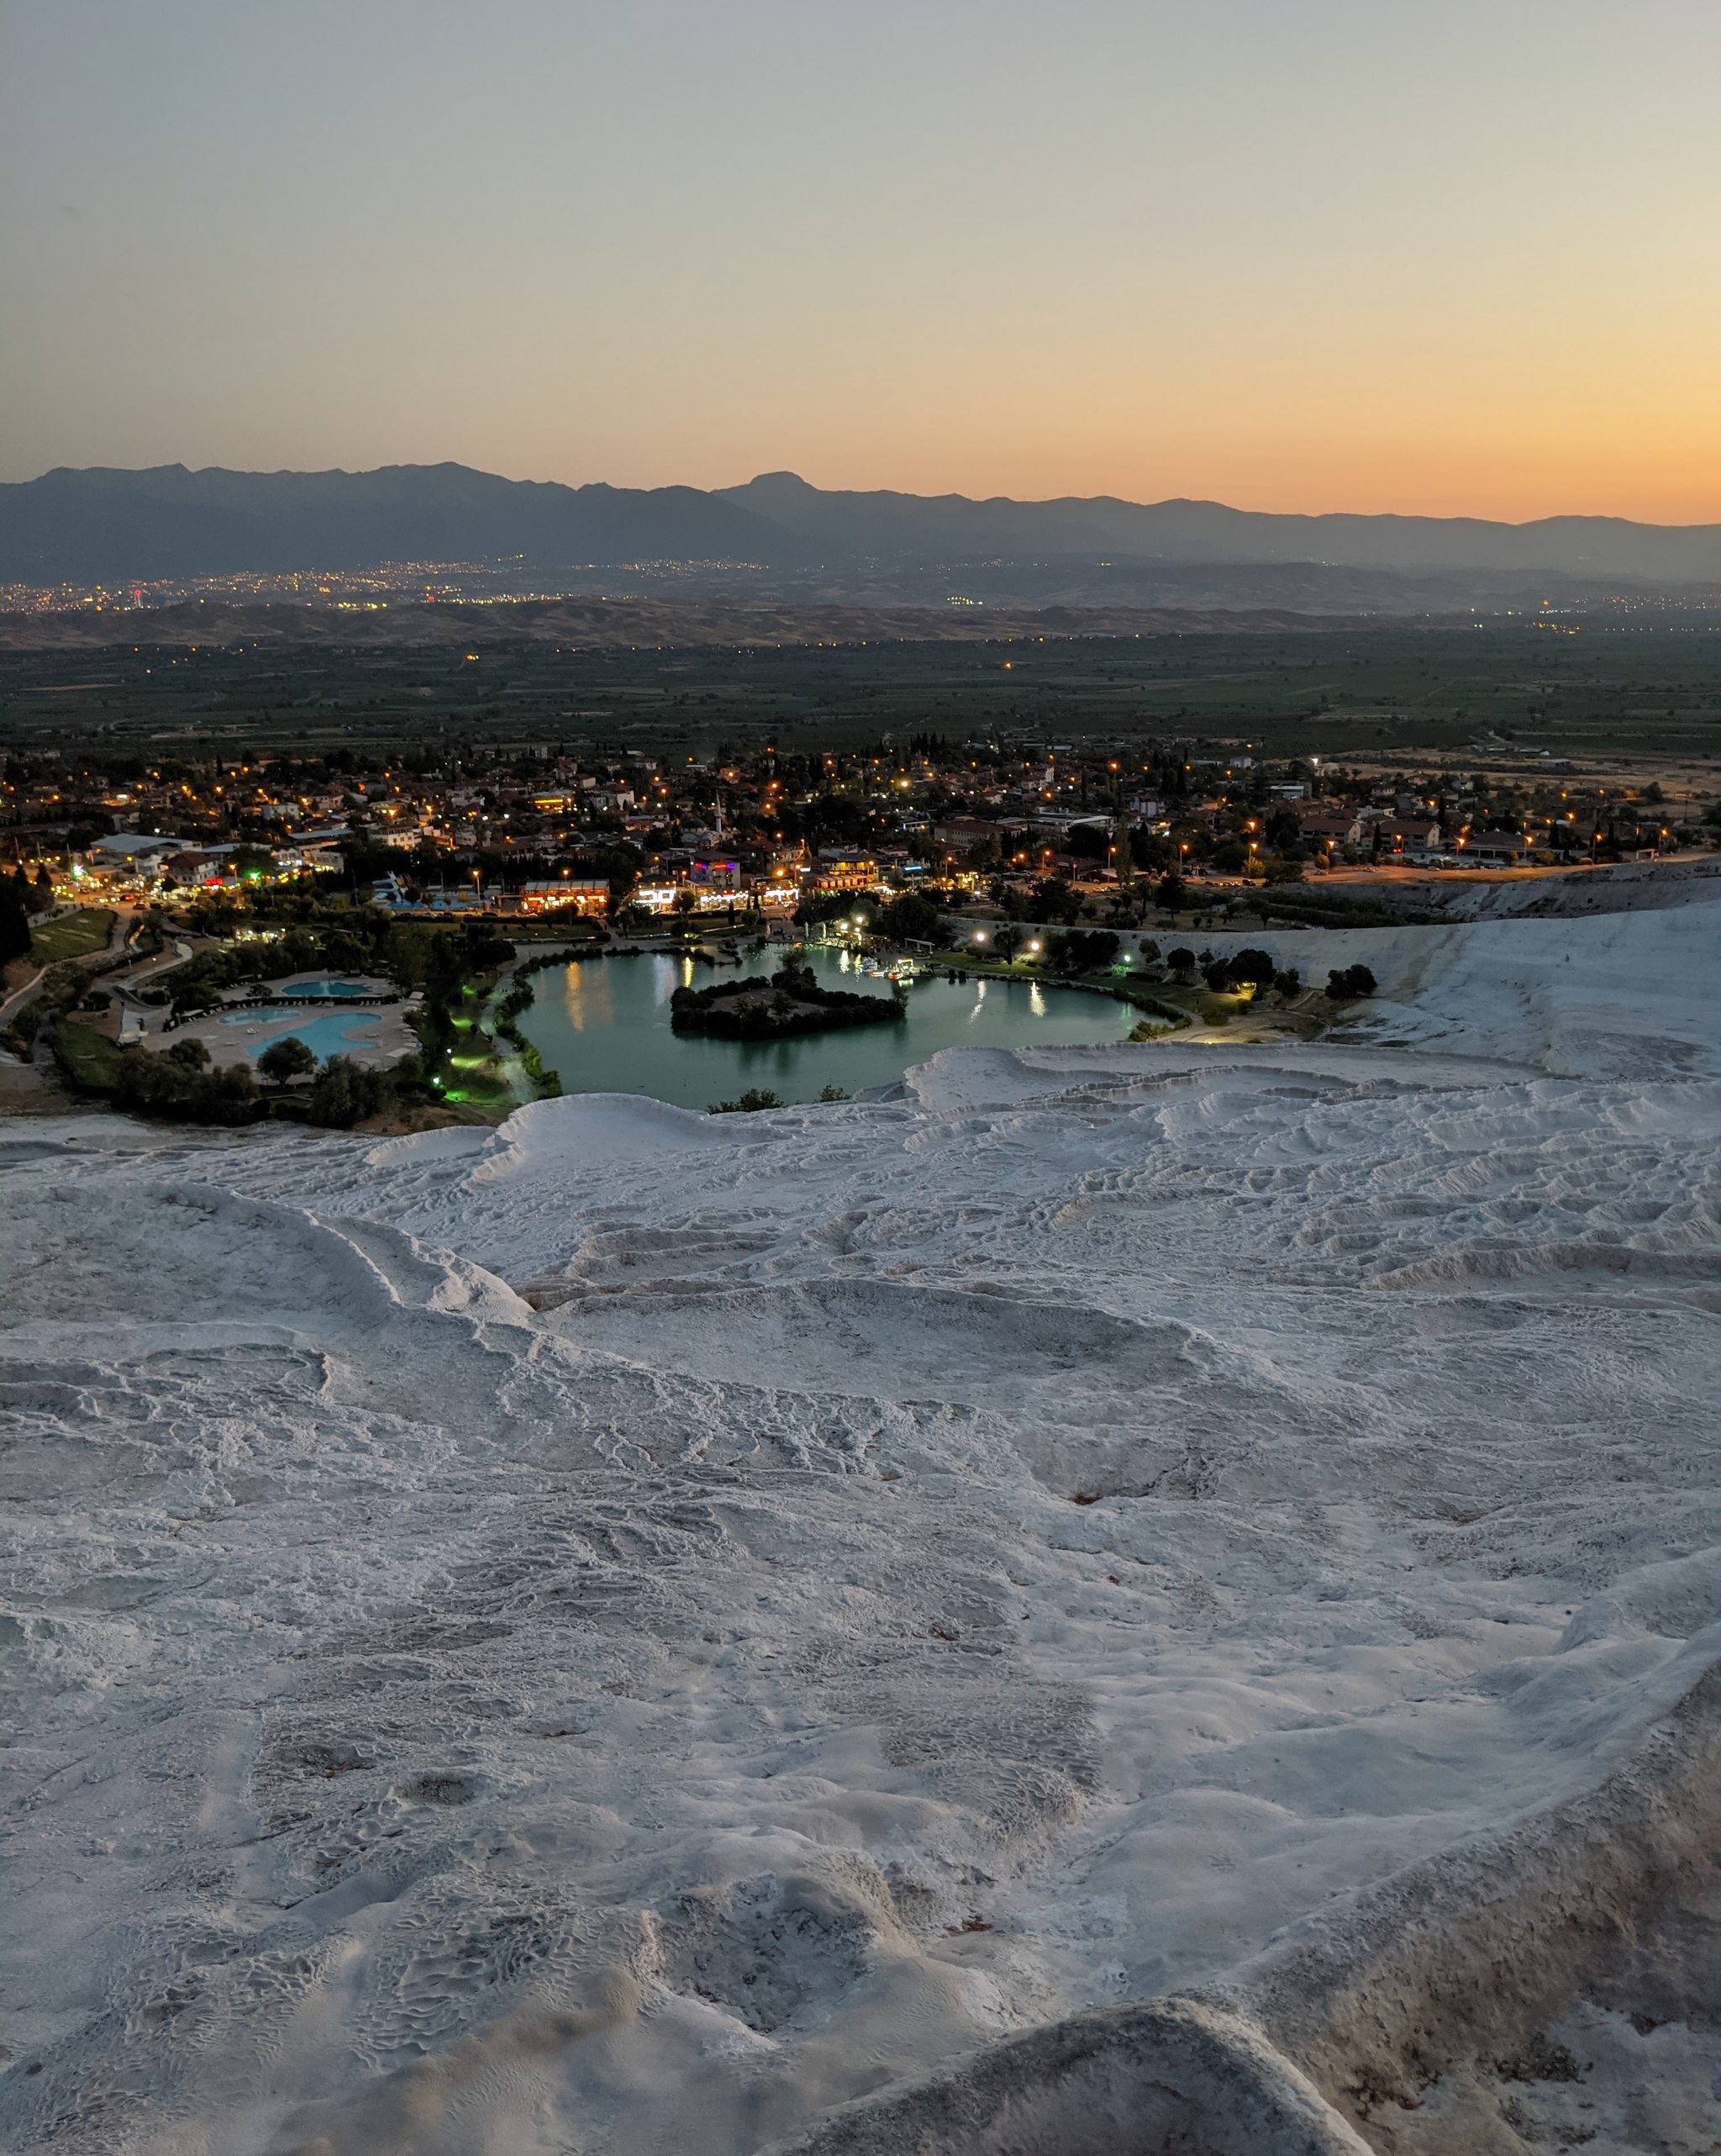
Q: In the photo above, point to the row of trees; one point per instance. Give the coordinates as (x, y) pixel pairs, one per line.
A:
(181, 1084)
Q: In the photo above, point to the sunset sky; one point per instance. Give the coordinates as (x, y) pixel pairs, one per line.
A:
(1289, 254)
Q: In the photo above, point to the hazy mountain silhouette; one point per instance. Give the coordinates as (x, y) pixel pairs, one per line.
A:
(891, 524)
(169, 522)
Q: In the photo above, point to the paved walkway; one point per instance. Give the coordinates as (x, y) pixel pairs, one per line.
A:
(20, 997)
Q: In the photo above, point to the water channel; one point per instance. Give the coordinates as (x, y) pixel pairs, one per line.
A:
(602, 1024)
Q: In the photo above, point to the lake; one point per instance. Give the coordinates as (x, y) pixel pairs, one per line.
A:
(602, 1025)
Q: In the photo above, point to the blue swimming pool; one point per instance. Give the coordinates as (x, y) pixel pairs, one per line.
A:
(337, 1035)
(329, 989)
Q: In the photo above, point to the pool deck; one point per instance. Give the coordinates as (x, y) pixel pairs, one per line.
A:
(376, 1034)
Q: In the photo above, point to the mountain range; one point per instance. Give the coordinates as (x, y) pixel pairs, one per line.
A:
(111, 525)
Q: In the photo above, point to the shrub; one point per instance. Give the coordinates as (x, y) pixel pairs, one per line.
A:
(162, 1085)
(1181, 960)
(750, 1103)
(1343, 984)
(346, 1093)
(1289, 982)
(63, 991)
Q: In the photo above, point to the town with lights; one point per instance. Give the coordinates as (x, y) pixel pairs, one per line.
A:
(198, 833)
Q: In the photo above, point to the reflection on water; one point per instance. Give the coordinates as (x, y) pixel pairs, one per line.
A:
(603, 1024)
(587, 1000)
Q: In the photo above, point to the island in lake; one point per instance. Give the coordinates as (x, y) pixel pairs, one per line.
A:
(790, 1001)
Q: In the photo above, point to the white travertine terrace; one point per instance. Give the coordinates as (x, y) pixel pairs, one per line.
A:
(1160, 1597)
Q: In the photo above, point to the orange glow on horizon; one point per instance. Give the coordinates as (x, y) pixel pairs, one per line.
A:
(1453, 260)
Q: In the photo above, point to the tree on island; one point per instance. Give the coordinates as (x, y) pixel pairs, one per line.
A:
(790, 1001)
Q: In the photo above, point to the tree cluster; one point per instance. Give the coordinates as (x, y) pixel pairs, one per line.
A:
(790, 1002)
(1249, 967)
(1082, 950)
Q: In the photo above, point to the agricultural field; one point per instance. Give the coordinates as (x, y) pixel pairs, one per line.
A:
(1640, 687)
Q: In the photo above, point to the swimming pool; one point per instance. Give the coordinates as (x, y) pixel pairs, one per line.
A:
(337, 1035)
(328, 988)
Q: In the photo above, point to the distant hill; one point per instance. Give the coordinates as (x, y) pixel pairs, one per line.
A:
(891, 525)
(110, 526)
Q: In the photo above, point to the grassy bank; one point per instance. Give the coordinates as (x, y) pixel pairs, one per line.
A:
(77, 934)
